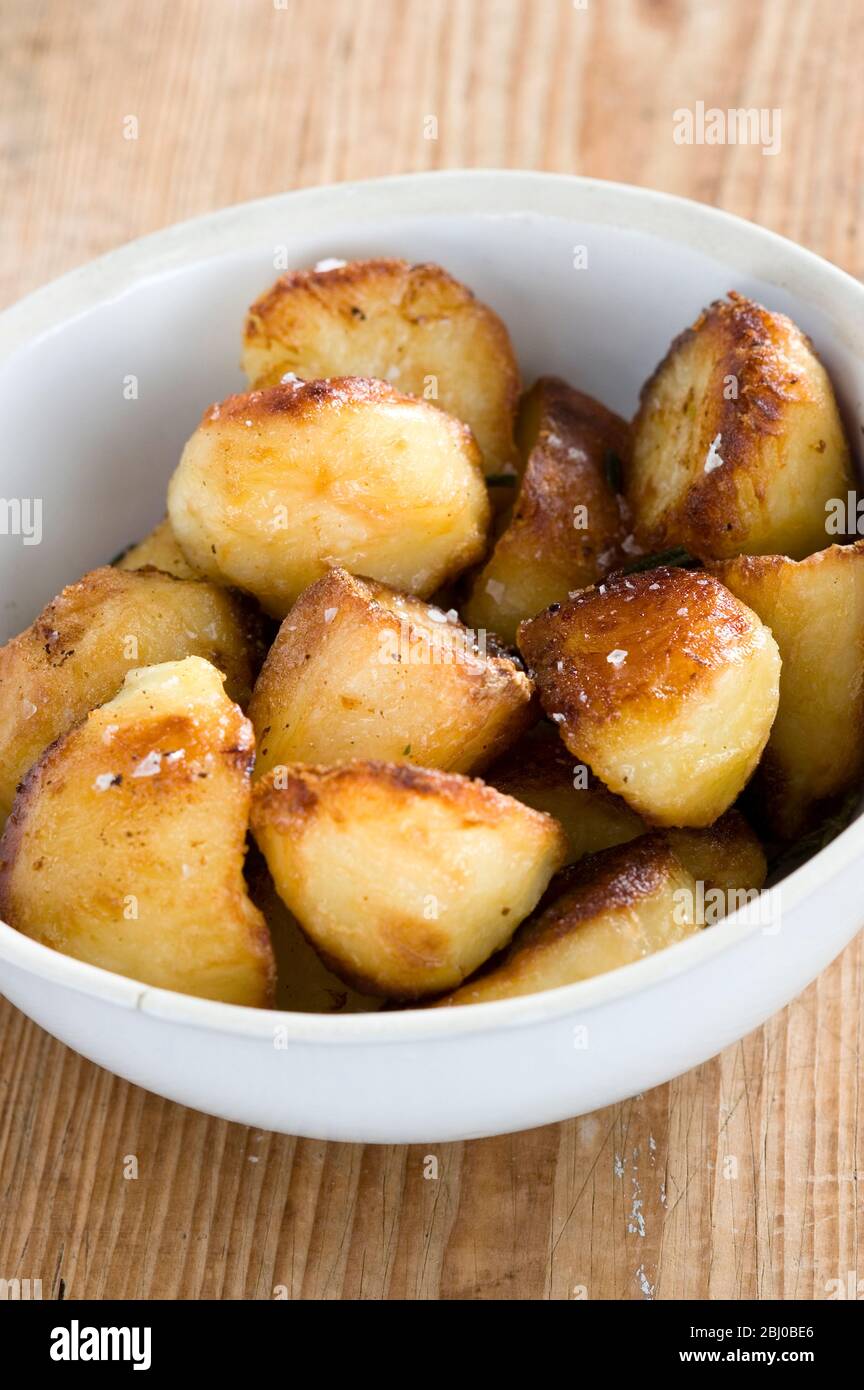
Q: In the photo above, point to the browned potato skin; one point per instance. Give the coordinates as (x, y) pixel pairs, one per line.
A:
(146, 802)
(815, 609)
(540, 772)
(359, 851)
(677, 725)
(403, 323)
(161, 550)
(541, 554)
(782, 443)
(277, 486)
(74, 656)
(617, 907)
(346, 677)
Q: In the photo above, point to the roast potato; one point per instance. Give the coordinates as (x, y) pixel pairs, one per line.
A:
(664, 684)
(125, 846)
(77, 652)
(276, 486)
(412, 325)
(539, 771)
(618, 906)
(159, 549)
(360, 670)
(568, 525)
(815, 609)
(738, 443)
(405, 880)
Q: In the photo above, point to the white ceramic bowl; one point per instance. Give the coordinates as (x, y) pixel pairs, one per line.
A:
(168, 311)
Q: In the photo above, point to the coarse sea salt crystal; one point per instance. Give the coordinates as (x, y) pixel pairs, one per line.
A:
(618, 657)
(149, 766)
(103, 781)
(713, 459)
(329, 263)
(330, 614)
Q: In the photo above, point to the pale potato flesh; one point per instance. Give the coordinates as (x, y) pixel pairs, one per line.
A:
(664, 684)
(78, 651)
(125, 846)
(738, 442)
(815, 609)
(405, 880)
(411, 325)
(277, 486)
(616, 907)
(360, 670)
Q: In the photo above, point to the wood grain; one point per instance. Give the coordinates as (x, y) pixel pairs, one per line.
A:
(740, 1179)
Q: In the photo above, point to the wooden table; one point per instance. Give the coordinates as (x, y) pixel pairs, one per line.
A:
(740, 1179)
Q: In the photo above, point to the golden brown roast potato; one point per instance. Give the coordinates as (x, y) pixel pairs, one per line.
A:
(412, 325)
(159, 549)
(539, 771)
(77, 652)
(125, 847)
(568, 525)
(405, 880)
(815, 609)
(359, 670)
(277, 486)
(617, 907)
(664, 684)
(738, 443)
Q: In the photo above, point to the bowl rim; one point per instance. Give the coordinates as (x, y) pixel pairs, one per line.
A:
(480, 193)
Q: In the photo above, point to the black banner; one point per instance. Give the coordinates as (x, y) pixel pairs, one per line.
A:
(86, 1337)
